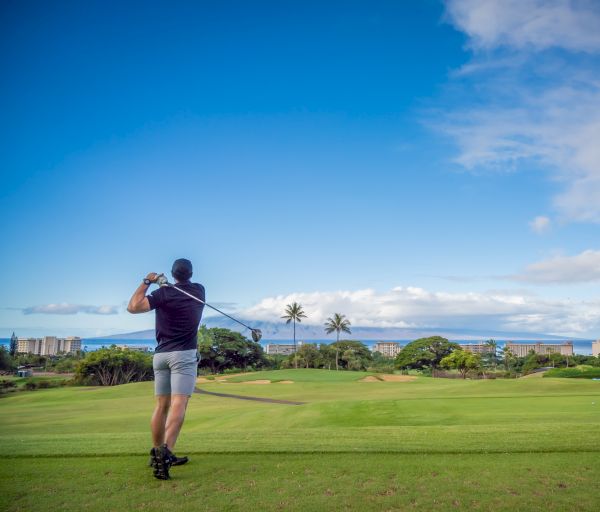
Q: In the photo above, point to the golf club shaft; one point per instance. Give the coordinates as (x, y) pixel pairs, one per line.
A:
(212, 307)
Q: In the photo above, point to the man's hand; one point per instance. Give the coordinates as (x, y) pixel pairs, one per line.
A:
(152, 277)
(139, 302)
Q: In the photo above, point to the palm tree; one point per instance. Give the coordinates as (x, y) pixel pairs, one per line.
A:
(338, 323)
(294, 313)
(493, 345)
(507, 356)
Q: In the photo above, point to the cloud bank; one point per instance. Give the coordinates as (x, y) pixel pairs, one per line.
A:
(535, 94)
(528, 24)
(70, 309)
(581, 268)
(416, 307)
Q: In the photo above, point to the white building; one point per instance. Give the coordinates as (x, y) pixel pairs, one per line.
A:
(477, 348)
(283, 349)
(596, 348)
(136, 348)
(48, 345)
(523, 349)
(387, 348)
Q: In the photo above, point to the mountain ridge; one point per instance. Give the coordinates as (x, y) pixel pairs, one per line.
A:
(280, 331)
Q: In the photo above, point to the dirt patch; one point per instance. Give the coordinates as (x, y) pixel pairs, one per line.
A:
(397, 378)
(536, 375)
(370, 378)
(388, 378)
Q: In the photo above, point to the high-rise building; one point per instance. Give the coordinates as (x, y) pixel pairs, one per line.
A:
(48, 345)
(284, 349)
(477, 348)
(523, 349)
(387, 348)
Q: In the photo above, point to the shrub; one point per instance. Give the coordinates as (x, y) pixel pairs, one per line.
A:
(113, 366)
(574, 373)
(5, 384)
(30, 385)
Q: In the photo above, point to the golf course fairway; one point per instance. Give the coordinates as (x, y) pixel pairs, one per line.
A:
(421, 444)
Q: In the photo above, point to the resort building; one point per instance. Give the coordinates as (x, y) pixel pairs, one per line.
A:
(48, 345)
(281, 348)
(596, 348)
(387, 348)
(136, 348)
(477, 348)
(523, 349)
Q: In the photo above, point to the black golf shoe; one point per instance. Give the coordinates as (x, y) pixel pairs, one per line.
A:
(160, 459)
(178, 461)
(175, 461)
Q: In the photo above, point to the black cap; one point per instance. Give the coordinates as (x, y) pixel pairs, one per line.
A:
(182, 269)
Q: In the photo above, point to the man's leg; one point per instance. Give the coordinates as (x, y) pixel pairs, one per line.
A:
(175, 419)
(160, 458)
(159, 419)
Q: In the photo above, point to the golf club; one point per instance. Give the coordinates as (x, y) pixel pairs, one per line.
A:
(162, 280)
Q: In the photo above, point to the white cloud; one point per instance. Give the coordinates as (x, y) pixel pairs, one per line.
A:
(417, 307)
(540, 225)
(528, 24)
(532, 105)
(581, 268)
(70, 309)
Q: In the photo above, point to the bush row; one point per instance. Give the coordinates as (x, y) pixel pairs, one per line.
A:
(574, 373)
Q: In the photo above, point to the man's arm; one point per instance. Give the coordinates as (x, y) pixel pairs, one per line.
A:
(139, 302)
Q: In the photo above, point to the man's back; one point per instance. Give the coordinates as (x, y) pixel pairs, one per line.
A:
(177, 316)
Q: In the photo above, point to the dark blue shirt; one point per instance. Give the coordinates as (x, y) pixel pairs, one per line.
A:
(177, 316)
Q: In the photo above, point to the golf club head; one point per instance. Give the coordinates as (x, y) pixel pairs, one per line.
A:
(256, 335)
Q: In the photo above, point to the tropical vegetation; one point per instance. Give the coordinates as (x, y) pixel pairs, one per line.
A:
(294, 313)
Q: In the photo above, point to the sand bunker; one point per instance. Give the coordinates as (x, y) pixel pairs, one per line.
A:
(260, 381)
(397, 378)
(388, 378)
(285, 382)
(370, 378)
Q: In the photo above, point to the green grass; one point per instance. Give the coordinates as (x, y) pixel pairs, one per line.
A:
(521, 444)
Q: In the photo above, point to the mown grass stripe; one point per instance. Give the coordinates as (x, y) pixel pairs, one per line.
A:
(305, 452)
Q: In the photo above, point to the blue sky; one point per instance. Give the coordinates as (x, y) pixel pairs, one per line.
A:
(405, 163)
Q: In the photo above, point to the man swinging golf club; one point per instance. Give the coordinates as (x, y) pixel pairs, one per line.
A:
(175, 359)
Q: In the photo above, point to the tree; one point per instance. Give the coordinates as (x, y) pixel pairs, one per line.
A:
(327, 355)
(461, 360)
(338, 323)
(491, 357)
(7, 363)
(14, 343)
(113, 366)
(508, 357)
(424, 353)
(308, 355)
(294, 313)
(352, 355)
(222, 349)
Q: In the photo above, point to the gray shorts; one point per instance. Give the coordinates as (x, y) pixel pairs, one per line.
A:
(175, 372)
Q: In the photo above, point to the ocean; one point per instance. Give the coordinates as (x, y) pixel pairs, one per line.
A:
(583, 347)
